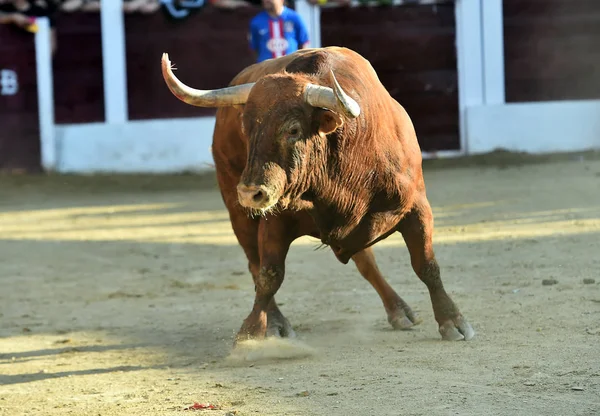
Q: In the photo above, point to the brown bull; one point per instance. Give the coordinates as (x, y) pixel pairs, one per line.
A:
(312, 144)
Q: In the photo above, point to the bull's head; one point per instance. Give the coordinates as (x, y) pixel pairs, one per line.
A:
(284, 117)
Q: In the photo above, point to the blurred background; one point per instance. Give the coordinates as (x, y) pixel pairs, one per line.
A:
(81, 88)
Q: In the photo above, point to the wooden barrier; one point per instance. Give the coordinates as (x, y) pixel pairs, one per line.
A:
(551, 50)
(19, 120)
(209, 48)
(412, 48)
(77, 69)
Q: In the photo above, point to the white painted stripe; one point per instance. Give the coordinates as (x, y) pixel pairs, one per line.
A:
(469, 58)
(315, 39)
(493, 51)
(45, 91)
(113, 61)
(311, 16)
(277, 36)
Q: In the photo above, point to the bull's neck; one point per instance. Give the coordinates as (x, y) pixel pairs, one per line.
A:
(344, 191)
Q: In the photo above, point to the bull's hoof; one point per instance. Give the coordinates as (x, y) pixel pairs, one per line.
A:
(252, 329)
(278, 326)
(403, 318)
(457, 329)
(258, 326)
(243, 336)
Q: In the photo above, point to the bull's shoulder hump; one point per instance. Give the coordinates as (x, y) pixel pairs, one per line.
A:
(321, 60)
(306, 61)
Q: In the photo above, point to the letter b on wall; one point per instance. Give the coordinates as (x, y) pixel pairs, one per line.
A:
(9, 83)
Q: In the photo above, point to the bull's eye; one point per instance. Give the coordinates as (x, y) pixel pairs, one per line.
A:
(293, 133)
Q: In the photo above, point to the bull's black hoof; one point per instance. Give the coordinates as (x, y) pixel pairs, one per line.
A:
(279, 326)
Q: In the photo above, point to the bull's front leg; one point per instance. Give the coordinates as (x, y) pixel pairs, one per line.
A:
(267, 282)
(265, 317)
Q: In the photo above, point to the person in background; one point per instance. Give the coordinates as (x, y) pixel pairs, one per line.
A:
(276, 31)
(22, 13)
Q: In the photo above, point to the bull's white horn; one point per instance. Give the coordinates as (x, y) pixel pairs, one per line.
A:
(348, 105)
(203, 98)
(332, 99)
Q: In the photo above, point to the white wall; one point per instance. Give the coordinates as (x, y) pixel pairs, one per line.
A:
(546, 127)
(157, 146)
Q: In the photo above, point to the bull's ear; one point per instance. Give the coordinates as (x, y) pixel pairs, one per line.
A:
(329, 122)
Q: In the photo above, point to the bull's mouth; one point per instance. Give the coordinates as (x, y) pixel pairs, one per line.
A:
(258, 199)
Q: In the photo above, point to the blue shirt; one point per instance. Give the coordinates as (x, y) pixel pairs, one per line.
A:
(272, 38)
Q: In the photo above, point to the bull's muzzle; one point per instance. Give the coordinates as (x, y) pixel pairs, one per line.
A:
(254, 196)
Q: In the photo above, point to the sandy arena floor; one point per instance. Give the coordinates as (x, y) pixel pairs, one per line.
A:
(121, 296)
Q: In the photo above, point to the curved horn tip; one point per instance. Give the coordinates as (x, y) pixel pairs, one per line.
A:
(165, 62)
(353, 108)
(333, 78)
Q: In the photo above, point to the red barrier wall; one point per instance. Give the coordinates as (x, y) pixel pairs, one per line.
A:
(19, 122)
(552, 50)
(209, 48)
(413, 50)
(77, 69)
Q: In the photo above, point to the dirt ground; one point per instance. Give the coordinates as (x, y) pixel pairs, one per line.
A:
(122, 295)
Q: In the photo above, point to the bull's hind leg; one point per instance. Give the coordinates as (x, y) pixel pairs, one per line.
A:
(266, 318)
(417, 230)
(399, 314)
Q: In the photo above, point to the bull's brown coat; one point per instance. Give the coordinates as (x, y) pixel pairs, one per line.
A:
(348, 181)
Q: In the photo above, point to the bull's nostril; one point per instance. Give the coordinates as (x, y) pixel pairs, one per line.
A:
(258, 196)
